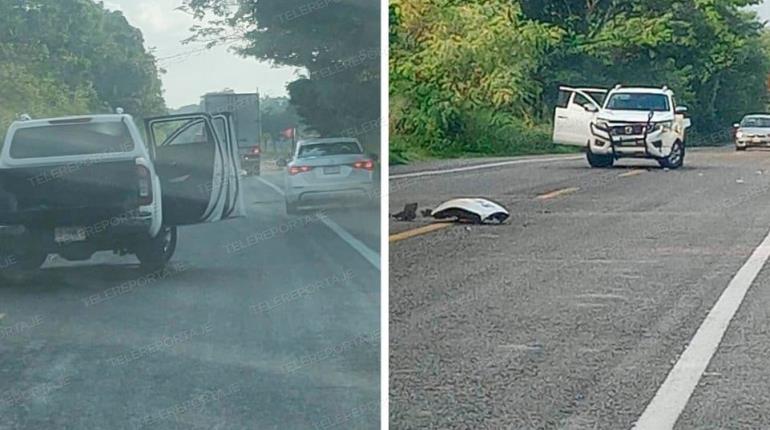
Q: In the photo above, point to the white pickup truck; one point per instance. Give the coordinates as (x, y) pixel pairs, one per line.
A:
(623, 122)
(77, 185)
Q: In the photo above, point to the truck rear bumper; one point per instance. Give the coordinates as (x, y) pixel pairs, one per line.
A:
(113, 234)
(360, 192)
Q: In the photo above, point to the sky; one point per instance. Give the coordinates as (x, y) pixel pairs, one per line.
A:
(192, 71)
(764, 10)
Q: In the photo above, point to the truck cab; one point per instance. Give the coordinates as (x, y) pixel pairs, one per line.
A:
(625, 122)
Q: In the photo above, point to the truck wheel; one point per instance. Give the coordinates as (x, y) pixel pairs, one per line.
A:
(598, 160)
(156, 252)
(675, 159)
(18, 266)
(740, 148)
(256, 170)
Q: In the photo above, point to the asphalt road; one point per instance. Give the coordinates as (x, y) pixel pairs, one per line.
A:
(572, 314)
(265, 322)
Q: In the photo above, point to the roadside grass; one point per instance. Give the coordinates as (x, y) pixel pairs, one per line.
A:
(404, 150)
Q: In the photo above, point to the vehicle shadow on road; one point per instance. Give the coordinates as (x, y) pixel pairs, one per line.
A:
(86, 277)
(629, 167)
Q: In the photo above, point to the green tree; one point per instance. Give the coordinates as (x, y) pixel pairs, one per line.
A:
(336, 41)
(66, 57)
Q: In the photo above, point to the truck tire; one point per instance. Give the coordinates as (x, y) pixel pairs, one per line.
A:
(21, 265)
(675, 159)
(156, 252)
(598, 160)
(740, 148)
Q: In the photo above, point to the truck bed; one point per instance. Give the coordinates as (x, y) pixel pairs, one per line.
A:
(67, 194)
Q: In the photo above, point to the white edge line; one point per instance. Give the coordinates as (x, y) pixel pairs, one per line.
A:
(384, 211)
(271, 185)
(665, 408)
(483, 166)
(370, 255)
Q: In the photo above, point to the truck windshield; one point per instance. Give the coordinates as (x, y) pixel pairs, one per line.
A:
(756, 122)
(328, 149)
(57, 140)
(638, 102)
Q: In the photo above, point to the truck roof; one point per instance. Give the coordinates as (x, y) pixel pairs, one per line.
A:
(73, 119)
(642, 90)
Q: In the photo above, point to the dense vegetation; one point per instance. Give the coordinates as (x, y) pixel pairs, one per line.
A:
(336, 41)
(481, 76)
(64, 57)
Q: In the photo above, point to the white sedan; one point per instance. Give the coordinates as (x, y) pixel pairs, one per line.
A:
(322, 171)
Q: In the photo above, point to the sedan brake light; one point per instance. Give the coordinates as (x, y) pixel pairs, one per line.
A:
(295, 170)
(365, 164)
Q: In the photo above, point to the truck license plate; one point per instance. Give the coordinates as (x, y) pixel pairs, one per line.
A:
(70, 234)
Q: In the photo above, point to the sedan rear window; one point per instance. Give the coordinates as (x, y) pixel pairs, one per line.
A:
(57, 140)
(328, 148)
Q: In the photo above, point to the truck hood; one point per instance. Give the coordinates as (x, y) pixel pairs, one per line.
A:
(622, 116)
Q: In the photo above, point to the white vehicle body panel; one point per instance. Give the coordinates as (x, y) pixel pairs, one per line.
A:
(484, 208)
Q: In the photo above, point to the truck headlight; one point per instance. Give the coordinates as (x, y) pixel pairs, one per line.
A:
(665, 125)
(602, 125)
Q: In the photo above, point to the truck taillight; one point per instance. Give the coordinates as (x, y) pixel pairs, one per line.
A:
(255, 150)
(145, 185)
(365, 164)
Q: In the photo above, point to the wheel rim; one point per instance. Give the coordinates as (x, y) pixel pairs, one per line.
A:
(676, 155)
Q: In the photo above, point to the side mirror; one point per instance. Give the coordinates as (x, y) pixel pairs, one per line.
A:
(736, 125)
(281, 162)
(590, 108)
(681, 110)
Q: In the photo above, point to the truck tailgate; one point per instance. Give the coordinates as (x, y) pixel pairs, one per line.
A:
(68, 194)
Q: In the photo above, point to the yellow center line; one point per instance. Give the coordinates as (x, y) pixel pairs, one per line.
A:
(557, 193)
(631, 173)
(418, 231)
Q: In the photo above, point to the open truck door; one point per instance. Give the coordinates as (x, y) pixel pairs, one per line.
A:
(224, 124)
(575, 109)
(198, 169)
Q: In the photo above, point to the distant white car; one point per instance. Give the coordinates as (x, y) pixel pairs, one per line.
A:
(622, 122)
(326, 170)
(753, 130)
